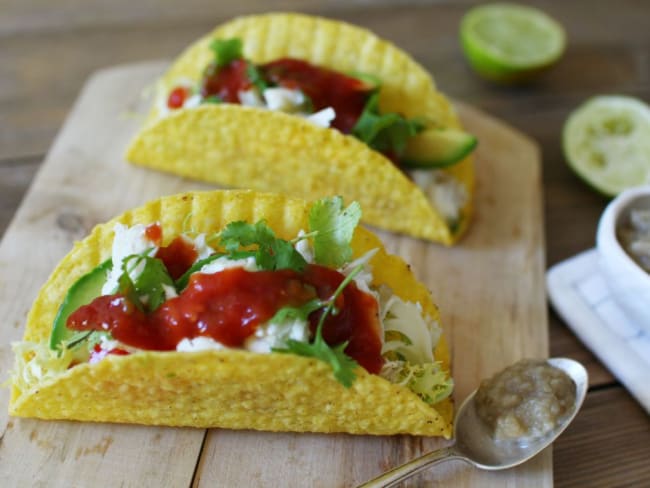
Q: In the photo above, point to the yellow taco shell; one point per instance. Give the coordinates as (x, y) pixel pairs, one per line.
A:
(255, 148)
(233, 389)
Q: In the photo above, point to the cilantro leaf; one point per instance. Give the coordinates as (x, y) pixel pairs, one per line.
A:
(226, 50)
(150, 282)
(272, 253)
(371, 81)
(297, 313)
(286, 256)
(384, 132)
(241, 234)
(182, 281)
(333, 227)
(212, 99)
(126, 288)
(342, 365)
(255, 77)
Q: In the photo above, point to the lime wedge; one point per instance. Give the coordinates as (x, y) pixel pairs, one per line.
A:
(510, 43)
(606, 142)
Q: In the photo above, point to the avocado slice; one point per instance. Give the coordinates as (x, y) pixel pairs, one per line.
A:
(82, 292)
(437, 148)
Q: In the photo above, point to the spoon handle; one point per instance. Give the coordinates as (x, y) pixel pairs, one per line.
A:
(400, 473)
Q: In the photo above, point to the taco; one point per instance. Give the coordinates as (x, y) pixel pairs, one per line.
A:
(313, 107)
(238, 310)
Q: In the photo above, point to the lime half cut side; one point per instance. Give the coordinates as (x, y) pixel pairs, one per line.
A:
(510, 43)
(606, 142)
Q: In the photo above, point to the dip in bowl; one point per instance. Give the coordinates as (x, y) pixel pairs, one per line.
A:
(623, 243)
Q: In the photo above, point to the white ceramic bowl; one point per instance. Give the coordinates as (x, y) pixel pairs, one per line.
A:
(629, 283)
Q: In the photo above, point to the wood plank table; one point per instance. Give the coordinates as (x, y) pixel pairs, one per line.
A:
(48, 49)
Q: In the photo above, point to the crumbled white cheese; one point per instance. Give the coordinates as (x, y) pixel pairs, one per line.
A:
(219, 264)
(304, 247)
(251, 98)
(201, 247)
(363, 279)
(127, 241)
(170, 291)
(199, 344)
(322, 118)
(446, 193)
(275, 335)
(284, 99)
(193, 101)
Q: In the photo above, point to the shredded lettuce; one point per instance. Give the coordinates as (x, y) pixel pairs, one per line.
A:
(409, 336)
(410, 340)
(428, 380)
(37, 363)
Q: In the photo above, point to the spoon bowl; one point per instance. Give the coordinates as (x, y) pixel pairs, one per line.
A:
(474, 443)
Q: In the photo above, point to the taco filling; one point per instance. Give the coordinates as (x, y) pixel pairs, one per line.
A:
(346, 102)
(244, 288)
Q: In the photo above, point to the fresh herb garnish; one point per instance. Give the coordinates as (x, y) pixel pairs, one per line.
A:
(126, 288)
(371, 81)
(255, 77)
(213, 99)
(332, 227)
(385, 132)
(181, 282)
(297, 313)
(342, 365)
(226, 51)
(150, 282)
(271, 253)
(76, 339)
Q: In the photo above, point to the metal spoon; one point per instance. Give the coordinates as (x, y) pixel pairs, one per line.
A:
(475, 445)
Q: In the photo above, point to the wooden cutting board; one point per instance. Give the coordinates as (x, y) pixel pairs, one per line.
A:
(490, 289)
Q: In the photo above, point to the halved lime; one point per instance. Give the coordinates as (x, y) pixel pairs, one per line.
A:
(607, 143)
(510, 43)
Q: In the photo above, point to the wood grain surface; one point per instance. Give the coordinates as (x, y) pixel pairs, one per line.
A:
(84, 180)
(49, 48)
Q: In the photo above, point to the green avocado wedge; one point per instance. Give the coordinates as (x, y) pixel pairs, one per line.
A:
(82, 292)
(437, 148)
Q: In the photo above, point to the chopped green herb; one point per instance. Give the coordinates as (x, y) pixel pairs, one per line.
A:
(342, 365)
(332, 227)
(77, 339)
(150, 283)
(126, 288)
(181, 282)
(297, 313)
(384, 132)
(256, 77)
(226, 51)
(272, 253)
(372, 82)
(213, 99)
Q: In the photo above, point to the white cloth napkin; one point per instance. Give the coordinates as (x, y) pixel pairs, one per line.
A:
(579, 294)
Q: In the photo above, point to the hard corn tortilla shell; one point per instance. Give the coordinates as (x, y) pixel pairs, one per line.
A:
(407, 88)
(232, 388)
(273, 151)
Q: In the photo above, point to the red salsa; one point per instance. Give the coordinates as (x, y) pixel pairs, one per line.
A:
(228, 306)
(324, 87)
